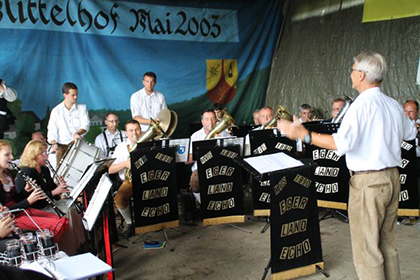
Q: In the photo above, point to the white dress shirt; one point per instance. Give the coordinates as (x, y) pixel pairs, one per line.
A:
(112, 139)
(64, 123)
(121, 154)
(8, 93)
(372, 131)
(146, 106)
(200, 135)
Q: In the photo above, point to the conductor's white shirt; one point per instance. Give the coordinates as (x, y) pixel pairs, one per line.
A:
(372, 131)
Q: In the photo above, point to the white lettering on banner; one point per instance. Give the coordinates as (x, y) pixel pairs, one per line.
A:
(404, 195)
(156, 211)
(403, 178)
(208, 156)
(406, 146)
(295, 251)
(296, 202)
(265, 183)
(327, 171)
(293, 227)
(303, 181)
(221, 205)
(228, 153)
(164, 158)
(222, 171)
(280, 185)
(325, 154)
(140, 162)
(265, 197)
(261, 149)
(220, 188)
(154, 175)
(124, 19)
(327, 188)
(404, 163)
(155, 193)
(283, 147)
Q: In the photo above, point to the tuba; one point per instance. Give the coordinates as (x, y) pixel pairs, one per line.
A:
(281, 113)
(226, 122)
(168, 120)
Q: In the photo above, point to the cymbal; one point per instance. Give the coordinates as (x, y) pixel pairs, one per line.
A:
(168, 121)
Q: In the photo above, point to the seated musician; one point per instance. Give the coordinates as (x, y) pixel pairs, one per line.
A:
(6, 228)
(68, 122)
(256, 117)
(336, 106)
(7, 192)
(305, 113)
(33, 164)
(265, 114)
(208, 120)
(122, 162)
(108, 140)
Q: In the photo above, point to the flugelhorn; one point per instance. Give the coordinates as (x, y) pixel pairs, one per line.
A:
(226, 122)
(168, 120)
(35, 186)
(281, 113)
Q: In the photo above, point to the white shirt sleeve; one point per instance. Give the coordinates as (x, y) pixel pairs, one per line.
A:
(8, 93)
(53, 126)
(85, 121)
(135, 105)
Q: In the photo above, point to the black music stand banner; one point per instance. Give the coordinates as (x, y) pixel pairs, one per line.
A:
(332, 175)
(409, 199)
(220, 185)
(295, 237)
(269, 141)
(265, 142)
(154, 189)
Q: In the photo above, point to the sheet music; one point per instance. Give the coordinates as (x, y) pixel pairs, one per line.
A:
(182, 149)
(78, 267)
(272, 162)
(96, 202)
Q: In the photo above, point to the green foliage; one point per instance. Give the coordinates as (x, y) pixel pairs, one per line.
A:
(91, 135)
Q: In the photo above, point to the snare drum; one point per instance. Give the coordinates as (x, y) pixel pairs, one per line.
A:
(76, 160)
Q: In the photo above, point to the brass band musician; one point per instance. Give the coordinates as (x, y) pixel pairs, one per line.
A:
(68, 122)
(208, 120)
(122, 161)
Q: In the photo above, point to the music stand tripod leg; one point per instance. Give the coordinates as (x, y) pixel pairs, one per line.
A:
(266, 269)
(267, 225)
(138, 238)
(239, 228)
(167, 240)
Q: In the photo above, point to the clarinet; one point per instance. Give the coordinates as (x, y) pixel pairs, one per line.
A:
(16, 230)
(35, 186)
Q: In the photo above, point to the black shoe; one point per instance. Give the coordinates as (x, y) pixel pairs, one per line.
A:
(128, 231)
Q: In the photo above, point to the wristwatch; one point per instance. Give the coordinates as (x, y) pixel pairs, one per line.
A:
(307, 139)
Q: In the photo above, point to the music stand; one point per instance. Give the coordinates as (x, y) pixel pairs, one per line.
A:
(332, 200)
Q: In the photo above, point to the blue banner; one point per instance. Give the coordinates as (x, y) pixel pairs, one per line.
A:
(202, 52)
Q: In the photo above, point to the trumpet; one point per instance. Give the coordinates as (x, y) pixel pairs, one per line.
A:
(226, 122)
(35, 186)
(281, 113)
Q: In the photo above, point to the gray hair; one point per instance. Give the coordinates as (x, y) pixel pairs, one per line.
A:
(373, 64)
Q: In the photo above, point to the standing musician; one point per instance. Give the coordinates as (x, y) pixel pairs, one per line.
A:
(108, 140)
(68, 122)
(7, 199)
(122, 161)
(33, 164)
(370, 136)
(147, 102)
